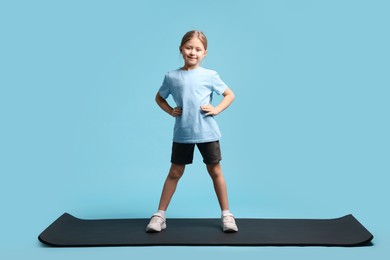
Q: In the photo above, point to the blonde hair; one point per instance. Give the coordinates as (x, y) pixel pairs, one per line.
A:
(192, 34)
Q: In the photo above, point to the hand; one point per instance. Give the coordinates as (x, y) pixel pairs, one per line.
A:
(176, 112)
(210, 110)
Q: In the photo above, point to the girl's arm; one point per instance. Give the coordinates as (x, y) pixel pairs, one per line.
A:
(175, 112)
(228, 97)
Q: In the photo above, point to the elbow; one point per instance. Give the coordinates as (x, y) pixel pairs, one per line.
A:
(232, 96)
(229, 95)
(158, 98)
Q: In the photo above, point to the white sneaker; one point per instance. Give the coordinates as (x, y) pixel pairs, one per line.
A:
(229, 224)
(156, 224)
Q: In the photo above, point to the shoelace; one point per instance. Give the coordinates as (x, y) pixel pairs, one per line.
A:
(228, 219)
(157, 219)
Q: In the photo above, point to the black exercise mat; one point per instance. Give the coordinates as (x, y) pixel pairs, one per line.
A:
(68, 231)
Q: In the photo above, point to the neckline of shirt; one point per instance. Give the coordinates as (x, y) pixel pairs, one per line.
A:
(181, 69)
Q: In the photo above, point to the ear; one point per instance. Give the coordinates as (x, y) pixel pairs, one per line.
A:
(205, 52)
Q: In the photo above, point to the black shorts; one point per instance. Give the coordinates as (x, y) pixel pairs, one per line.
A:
(184, 153)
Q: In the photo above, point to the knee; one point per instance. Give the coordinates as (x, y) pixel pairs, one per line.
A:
(214, 170)
(176, 172)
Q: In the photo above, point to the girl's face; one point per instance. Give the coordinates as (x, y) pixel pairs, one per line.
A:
(193, 53)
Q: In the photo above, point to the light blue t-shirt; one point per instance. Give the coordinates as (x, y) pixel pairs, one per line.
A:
(191, 89)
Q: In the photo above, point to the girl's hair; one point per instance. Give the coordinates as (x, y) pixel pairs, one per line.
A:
(192, 34)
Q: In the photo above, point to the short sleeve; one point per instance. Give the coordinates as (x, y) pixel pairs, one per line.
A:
(218, 85)
(165, 89)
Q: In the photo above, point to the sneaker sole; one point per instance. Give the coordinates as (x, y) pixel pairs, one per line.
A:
(230, 230)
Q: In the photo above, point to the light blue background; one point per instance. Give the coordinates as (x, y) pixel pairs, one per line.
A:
(307, 136)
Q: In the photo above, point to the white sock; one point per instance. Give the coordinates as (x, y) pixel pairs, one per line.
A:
(161, 213)
(225, 212)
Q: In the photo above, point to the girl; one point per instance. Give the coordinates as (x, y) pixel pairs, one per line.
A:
(192, 89)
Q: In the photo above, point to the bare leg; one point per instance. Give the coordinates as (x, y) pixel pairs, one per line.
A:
(175, 173)
(216, 175)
